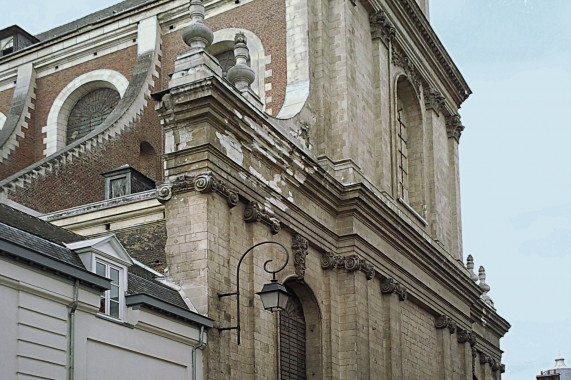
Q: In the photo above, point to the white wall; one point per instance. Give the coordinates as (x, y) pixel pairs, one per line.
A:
(34, 337)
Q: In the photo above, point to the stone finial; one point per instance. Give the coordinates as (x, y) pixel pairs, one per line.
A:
(484, 286)
(241, 75)
(470, 267)
(197, 35)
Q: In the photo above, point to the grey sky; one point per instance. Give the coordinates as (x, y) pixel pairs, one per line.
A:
(515, 156)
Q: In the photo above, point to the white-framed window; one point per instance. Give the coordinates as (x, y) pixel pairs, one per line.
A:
(111, 300)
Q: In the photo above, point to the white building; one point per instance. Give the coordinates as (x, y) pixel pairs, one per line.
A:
(74, 308)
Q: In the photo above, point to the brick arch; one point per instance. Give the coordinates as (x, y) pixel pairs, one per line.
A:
(56, 126)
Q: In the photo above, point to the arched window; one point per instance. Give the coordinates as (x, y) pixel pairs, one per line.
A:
(410, 186)
(90, 111)
(293, 340)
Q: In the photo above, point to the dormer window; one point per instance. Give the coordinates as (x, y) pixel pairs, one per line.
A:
(7, 45)
(106, 257)
(126, 180)
(110, 303)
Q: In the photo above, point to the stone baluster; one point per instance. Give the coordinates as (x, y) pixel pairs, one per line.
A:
(241, 75)
(484, 286)
(470, 267)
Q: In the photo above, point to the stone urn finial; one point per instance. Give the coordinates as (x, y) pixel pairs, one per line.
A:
(484, 286)
(197, 35)
(241, 75)
(470, 267)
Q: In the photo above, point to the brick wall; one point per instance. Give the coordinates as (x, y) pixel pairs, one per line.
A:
(47, 89)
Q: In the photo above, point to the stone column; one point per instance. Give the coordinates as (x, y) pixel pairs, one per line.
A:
(454, 129)
(392, 311)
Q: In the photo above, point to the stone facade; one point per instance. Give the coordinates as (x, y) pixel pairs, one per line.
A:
(349, 158)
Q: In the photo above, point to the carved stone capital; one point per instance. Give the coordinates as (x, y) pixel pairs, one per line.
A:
(433, 99)
(502, 368)
(164, 192)
(206, 183)
(484, 358)
(299, 248)
(389, 286)
(382, 27)
(351, 263)
(454, 127)
(444, 321)
(466, 336)
(255, 212)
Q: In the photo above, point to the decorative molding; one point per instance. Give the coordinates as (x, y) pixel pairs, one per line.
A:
(299, 248)
(444, 321)
(128, 111)
(466, 336)
(484, 358)
(22, 105)
(254, 212)
(440, 53)
(454, 127)
(204, 183)
(400, 59)
(351, 263)
(433, 99)
(390, 286)
(382, 27)
(502, 368)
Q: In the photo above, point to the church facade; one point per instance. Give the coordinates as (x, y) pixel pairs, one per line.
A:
(196, 130)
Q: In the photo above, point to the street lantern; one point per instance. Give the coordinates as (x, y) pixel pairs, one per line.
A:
(274, 295)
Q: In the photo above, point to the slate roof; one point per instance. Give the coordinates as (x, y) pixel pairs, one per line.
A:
(92, 18)
(39, 245)
(36, 226)
(46, 239)
(140, 285)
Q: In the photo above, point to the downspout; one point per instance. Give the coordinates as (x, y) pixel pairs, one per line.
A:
(200, 345)
(71, 331)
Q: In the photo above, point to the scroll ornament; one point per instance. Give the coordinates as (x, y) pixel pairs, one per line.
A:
(445, 321)
(389, 286)
(164, 192)
(351, 263)
(254, 212)
(206, 183)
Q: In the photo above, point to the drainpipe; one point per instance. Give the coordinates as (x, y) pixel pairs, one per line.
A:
(71, 331)
(200, 345)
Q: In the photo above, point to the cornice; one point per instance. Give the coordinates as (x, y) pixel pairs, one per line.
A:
(211, 101)
(418, 19)
(412, 17)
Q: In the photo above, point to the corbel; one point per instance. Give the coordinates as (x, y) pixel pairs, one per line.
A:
(351, 263)
(254, 212)
(390, 286)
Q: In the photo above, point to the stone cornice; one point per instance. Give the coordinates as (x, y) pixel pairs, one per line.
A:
(416, 16)
(210, 101)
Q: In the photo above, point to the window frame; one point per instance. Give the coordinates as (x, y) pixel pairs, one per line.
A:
(122, 285)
